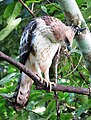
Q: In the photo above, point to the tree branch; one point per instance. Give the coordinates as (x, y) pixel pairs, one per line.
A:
(41, 81)
(31, 12)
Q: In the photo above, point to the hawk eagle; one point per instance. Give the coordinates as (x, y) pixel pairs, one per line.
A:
(41, 39)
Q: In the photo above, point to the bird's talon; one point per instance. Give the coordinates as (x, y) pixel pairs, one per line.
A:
(47, 84)
(42, 80)
(51, 84)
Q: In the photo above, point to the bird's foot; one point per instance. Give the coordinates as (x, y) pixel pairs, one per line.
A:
(46, 83)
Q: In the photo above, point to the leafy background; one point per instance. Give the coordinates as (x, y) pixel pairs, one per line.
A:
(71, 71)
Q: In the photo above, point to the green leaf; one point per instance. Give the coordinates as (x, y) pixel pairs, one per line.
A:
(8, 11)
(66, 116)
(83, 99)
(6, 95)
(79, 2)
(13, 10)
(7, 78)
(1, 20)
(35, 95)
(31, 1)
(45, 99)
(44, 9)
(81, 110)
(12, 23)
(76, 51)
(17, 9)
(50, 116)
(20, 116)
(51, 106)
(89, 3)
(52, 7)
(89, 118)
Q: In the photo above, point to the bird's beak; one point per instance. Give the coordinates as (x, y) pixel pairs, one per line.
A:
(68, 47)
(69, 50)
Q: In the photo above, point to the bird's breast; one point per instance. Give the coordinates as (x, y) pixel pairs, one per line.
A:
(44, 50)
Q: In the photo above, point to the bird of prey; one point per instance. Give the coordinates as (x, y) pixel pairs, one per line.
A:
(39, 43)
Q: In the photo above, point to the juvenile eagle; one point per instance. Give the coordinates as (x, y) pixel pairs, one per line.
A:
(41, 39)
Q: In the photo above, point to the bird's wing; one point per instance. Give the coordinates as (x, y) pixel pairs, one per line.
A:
(25, 42)
(22, 91)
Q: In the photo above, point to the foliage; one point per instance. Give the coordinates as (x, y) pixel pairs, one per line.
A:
(71, 71)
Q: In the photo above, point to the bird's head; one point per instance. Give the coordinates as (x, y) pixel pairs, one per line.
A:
(69, 35)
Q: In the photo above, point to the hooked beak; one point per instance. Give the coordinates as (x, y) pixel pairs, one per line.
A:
(68, 44)
(68, 47)
(67, 53)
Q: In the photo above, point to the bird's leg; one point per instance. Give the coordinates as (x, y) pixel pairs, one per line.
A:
(46, 73)
(38, 70)
(49, 84)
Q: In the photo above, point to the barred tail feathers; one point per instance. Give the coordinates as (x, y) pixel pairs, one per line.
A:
(22, 92)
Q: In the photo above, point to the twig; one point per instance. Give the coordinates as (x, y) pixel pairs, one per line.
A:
(32, 6)
(42, 81)
(56, 61)
(74, 68)
(31, 12)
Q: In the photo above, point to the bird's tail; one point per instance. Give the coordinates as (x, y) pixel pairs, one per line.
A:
(21, 95)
